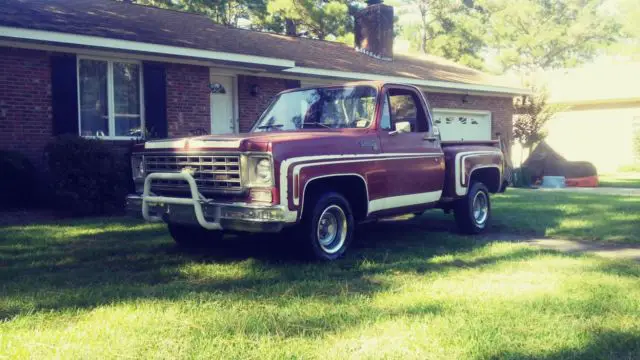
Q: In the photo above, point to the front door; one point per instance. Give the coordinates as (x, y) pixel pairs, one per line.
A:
(417, 176)
(223, 119)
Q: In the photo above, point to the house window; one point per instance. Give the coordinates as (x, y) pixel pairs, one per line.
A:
(110, 98)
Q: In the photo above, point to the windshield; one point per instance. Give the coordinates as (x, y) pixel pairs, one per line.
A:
(331, 108)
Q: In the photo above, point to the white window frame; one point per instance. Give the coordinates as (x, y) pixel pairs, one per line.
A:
(111, 98)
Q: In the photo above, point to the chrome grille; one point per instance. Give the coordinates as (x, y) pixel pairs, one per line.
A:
(211, 172)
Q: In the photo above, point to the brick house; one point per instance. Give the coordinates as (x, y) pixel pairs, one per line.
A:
(119, 71)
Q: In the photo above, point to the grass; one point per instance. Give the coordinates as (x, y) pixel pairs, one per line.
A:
(409, 289)
(577, 216)
(620, 181)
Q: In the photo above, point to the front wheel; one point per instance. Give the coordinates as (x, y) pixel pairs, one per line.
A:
(473, 212)
(193, 236)
(328, 227)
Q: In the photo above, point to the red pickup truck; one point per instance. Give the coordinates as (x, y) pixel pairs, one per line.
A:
(319, 160)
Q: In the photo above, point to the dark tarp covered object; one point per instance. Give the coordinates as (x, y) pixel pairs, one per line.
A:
(544, 161)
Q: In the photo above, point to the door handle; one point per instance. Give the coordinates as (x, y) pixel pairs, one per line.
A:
(430, 138)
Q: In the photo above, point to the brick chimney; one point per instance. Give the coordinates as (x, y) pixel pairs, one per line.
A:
(374, 30)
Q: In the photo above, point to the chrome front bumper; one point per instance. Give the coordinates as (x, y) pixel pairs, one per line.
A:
(198, 210)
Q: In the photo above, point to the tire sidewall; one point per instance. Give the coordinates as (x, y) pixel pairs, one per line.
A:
(476, 188)
(323, 202)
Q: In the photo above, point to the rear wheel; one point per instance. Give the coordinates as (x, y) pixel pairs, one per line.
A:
(328, 228)
(473, 212)
(193, 236)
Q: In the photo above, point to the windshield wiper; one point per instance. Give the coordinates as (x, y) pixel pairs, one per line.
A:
(271, 126)
(318, 124)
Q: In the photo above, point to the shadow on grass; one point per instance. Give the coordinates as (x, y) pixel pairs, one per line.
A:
(88, 263)
(602, 344)
(43, 270)
(570, 215)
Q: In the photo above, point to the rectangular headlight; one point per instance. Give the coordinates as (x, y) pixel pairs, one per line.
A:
(258, 171)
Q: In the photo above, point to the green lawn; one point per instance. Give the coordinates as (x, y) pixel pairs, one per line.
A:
(620, 181)
(409, 289)
(575, 216)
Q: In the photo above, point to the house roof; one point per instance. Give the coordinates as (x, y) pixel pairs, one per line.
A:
(150, 25)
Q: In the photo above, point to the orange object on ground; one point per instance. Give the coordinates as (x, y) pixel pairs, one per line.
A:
(589, 181)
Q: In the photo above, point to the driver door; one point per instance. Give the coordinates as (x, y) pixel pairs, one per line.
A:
(415, 170)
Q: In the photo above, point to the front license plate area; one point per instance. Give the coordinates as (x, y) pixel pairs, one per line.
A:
(183, 214)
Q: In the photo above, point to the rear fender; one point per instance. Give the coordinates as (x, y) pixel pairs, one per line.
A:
(468, 163)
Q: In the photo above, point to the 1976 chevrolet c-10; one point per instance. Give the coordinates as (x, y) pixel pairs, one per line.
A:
(319, 160)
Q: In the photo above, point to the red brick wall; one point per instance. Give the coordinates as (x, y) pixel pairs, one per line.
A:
(251, 107)
(501, 110)
(25, 101)
(187, 99)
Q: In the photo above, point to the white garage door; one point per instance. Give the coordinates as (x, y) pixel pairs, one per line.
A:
(456, 124)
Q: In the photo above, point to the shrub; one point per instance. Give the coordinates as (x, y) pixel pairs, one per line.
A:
(88, 177)
(18, 182)
(522, 177)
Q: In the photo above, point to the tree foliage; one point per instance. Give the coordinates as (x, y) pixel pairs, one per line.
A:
(628, 13)
(535, 34)
(448, 28)
(225, 12)
(318, 19)
(516, 34)
(531, 114)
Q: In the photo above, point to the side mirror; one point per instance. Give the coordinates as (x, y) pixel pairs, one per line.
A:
(401, 128)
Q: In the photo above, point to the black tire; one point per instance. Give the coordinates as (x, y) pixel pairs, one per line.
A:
(325, 207)
(188, 236)
(468, 220)
(503, 188)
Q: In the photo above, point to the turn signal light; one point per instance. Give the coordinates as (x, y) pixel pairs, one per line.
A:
(261, 195)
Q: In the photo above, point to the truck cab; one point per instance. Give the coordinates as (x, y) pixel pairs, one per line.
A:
(318, 161)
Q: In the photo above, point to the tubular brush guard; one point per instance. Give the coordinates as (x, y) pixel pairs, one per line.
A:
(195, 200)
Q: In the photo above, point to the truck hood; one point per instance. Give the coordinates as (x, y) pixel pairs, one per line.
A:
(314, 140)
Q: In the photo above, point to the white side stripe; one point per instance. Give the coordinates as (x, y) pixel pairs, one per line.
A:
(298, 168)
(284, 169)
(404, 200)
(459, 173)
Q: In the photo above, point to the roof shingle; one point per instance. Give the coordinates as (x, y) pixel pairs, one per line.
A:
(126, 21)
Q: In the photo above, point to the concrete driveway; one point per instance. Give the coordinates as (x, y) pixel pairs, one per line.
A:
(598, 190)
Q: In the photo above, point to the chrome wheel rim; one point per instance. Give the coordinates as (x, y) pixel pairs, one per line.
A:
(332, 229)
(480, 208)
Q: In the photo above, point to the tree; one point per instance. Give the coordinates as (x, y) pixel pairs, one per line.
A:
(627, 12)
(535, 34)
(225, 12)
(448, 28)
(318, 19)
(531, 114)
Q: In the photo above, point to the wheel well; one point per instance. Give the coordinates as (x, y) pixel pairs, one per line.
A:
(352, 187)
(489, 176)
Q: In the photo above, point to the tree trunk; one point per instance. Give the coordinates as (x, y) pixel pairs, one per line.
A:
(290, 27)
